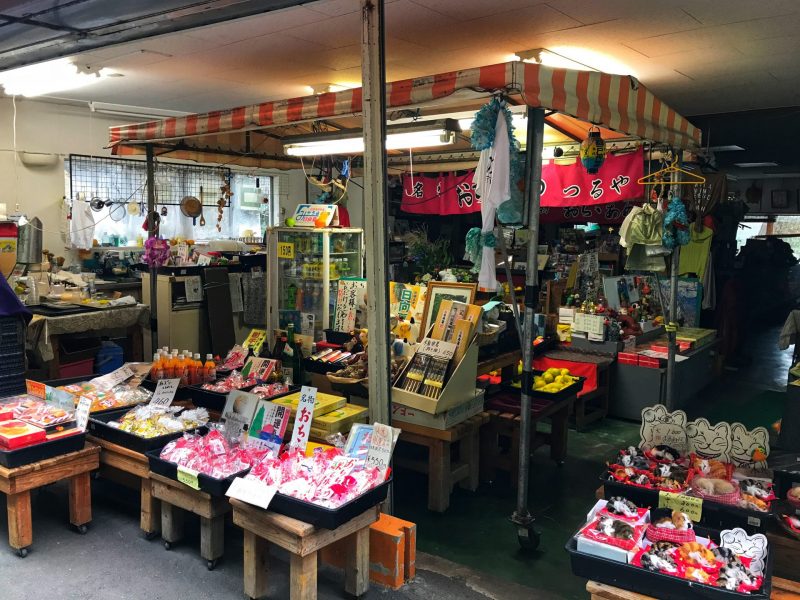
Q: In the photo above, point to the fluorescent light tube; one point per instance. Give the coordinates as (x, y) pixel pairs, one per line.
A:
(47, 77)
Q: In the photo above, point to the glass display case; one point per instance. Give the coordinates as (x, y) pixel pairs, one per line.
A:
(304, 269)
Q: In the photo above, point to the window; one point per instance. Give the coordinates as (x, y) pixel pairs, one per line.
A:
(120, 185)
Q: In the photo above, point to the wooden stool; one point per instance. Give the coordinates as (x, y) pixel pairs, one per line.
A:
(302, 541)
(115, 461)
(17, 484)
(503, 430)
(175, 498)
(443, 472)
(782, 589)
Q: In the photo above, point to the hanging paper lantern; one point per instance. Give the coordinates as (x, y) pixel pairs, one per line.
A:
(593, 151)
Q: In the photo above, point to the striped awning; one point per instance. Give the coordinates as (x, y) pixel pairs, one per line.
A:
(617, 102)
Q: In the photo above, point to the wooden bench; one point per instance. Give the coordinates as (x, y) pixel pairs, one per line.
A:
(443, 471)
(500, 436)
(175, 498)
(115, 463)
(18, 482)
(303, 541)
(782, 589)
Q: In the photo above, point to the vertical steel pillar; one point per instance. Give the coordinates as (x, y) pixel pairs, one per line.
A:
(533, 174)
(151, 232)
(373, 75)
(672, 323)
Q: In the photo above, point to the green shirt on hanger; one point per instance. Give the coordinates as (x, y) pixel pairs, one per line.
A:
(694, 255)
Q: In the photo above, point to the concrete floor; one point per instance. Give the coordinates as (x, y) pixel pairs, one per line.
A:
(469, 553)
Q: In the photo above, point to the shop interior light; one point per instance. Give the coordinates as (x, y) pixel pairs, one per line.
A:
(755, 165)
(574, 57)
(415, 135)
(136, 112)
(47, 77)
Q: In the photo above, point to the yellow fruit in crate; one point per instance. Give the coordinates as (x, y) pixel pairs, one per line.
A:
(539, 385)
(548, 377)
(564, 371)
(538, 380)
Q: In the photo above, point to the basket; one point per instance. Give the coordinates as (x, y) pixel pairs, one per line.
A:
(731, 498)
(663, 534)
(485, 339)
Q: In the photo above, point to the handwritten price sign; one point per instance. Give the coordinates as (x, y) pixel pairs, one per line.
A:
(286, 250)
(686, 504)
(380, 447)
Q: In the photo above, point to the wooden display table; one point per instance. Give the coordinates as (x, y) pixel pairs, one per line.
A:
(302, 541)
(500, 437)
(116, 459)
(592, 406)
(443, 472)
(175, 498)
(785, 553)
(782, 589)
(506, 362)
(17, 484)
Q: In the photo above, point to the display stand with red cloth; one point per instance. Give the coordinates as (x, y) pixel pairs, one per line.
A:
(592, 402)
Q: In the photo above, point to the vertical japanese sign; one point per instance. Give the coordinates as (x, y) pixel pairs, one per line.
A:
(350, 295)
(303, 417)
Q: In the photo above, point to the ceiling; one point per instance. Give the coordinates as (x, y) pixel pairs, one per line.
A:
(701, 57)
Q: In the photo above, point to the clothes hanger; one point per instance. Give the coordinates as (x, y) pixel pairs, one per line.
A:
(657, 177)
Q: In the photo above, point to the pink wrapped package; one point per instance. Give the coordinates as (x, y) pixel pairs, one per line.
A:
(212, 454)
(328, 478)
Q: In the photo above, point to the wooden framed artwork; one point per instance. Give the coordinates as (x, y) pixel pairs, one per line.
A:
(443, 290)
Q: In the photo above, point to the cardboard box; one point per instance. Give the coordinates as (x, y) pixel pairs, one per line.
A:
(325, 403)
(470, 407)
(460, 385)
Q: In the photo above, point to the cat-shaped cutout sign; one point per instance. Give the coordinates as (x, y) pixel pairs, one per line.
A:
(660, 427)
(751, 546)
(709, 441)
(749, 448)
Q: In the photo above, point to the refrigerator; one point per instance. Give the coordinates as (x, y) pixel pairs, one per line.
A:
(304, 268)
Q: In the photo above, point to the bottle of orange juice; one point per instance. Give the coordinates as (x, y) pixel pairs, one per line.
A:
(197, 374)
(156, 372)
(210, 369)
(182, 371)
(172, 370)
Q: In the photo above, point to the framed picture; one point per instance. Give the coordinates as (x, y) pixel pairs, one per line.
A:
(442, 290)
(780, 199)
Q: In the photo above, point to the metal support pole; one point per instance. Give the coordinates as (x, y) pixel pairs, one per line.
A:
(514, 306)
(672, 323)
(151, 232)
(672, 326)
(533, 174)
(373, 75)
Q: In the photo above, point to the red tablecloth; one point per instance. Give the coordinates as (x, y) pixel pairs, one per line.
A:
(582, 369)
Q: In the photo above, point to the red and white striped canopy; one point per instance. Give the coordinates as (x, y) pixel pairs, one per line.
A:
(616, 102)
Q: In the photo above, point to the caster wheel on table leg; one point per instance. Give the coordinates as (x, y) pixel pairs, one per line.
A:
(82, 529)
(22, 552)
(150, 535)
(167, 546)
(211, 564)
(529, 538)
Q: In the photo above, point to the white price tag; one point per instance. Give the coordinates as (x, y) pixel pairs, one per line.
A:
(252, 491)
(303, 417)
(381, 444)
(106, 382)
(194, 289)
(165, 392)
(437, 349)
(255, 272)
(203, 260)
(82, 412)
